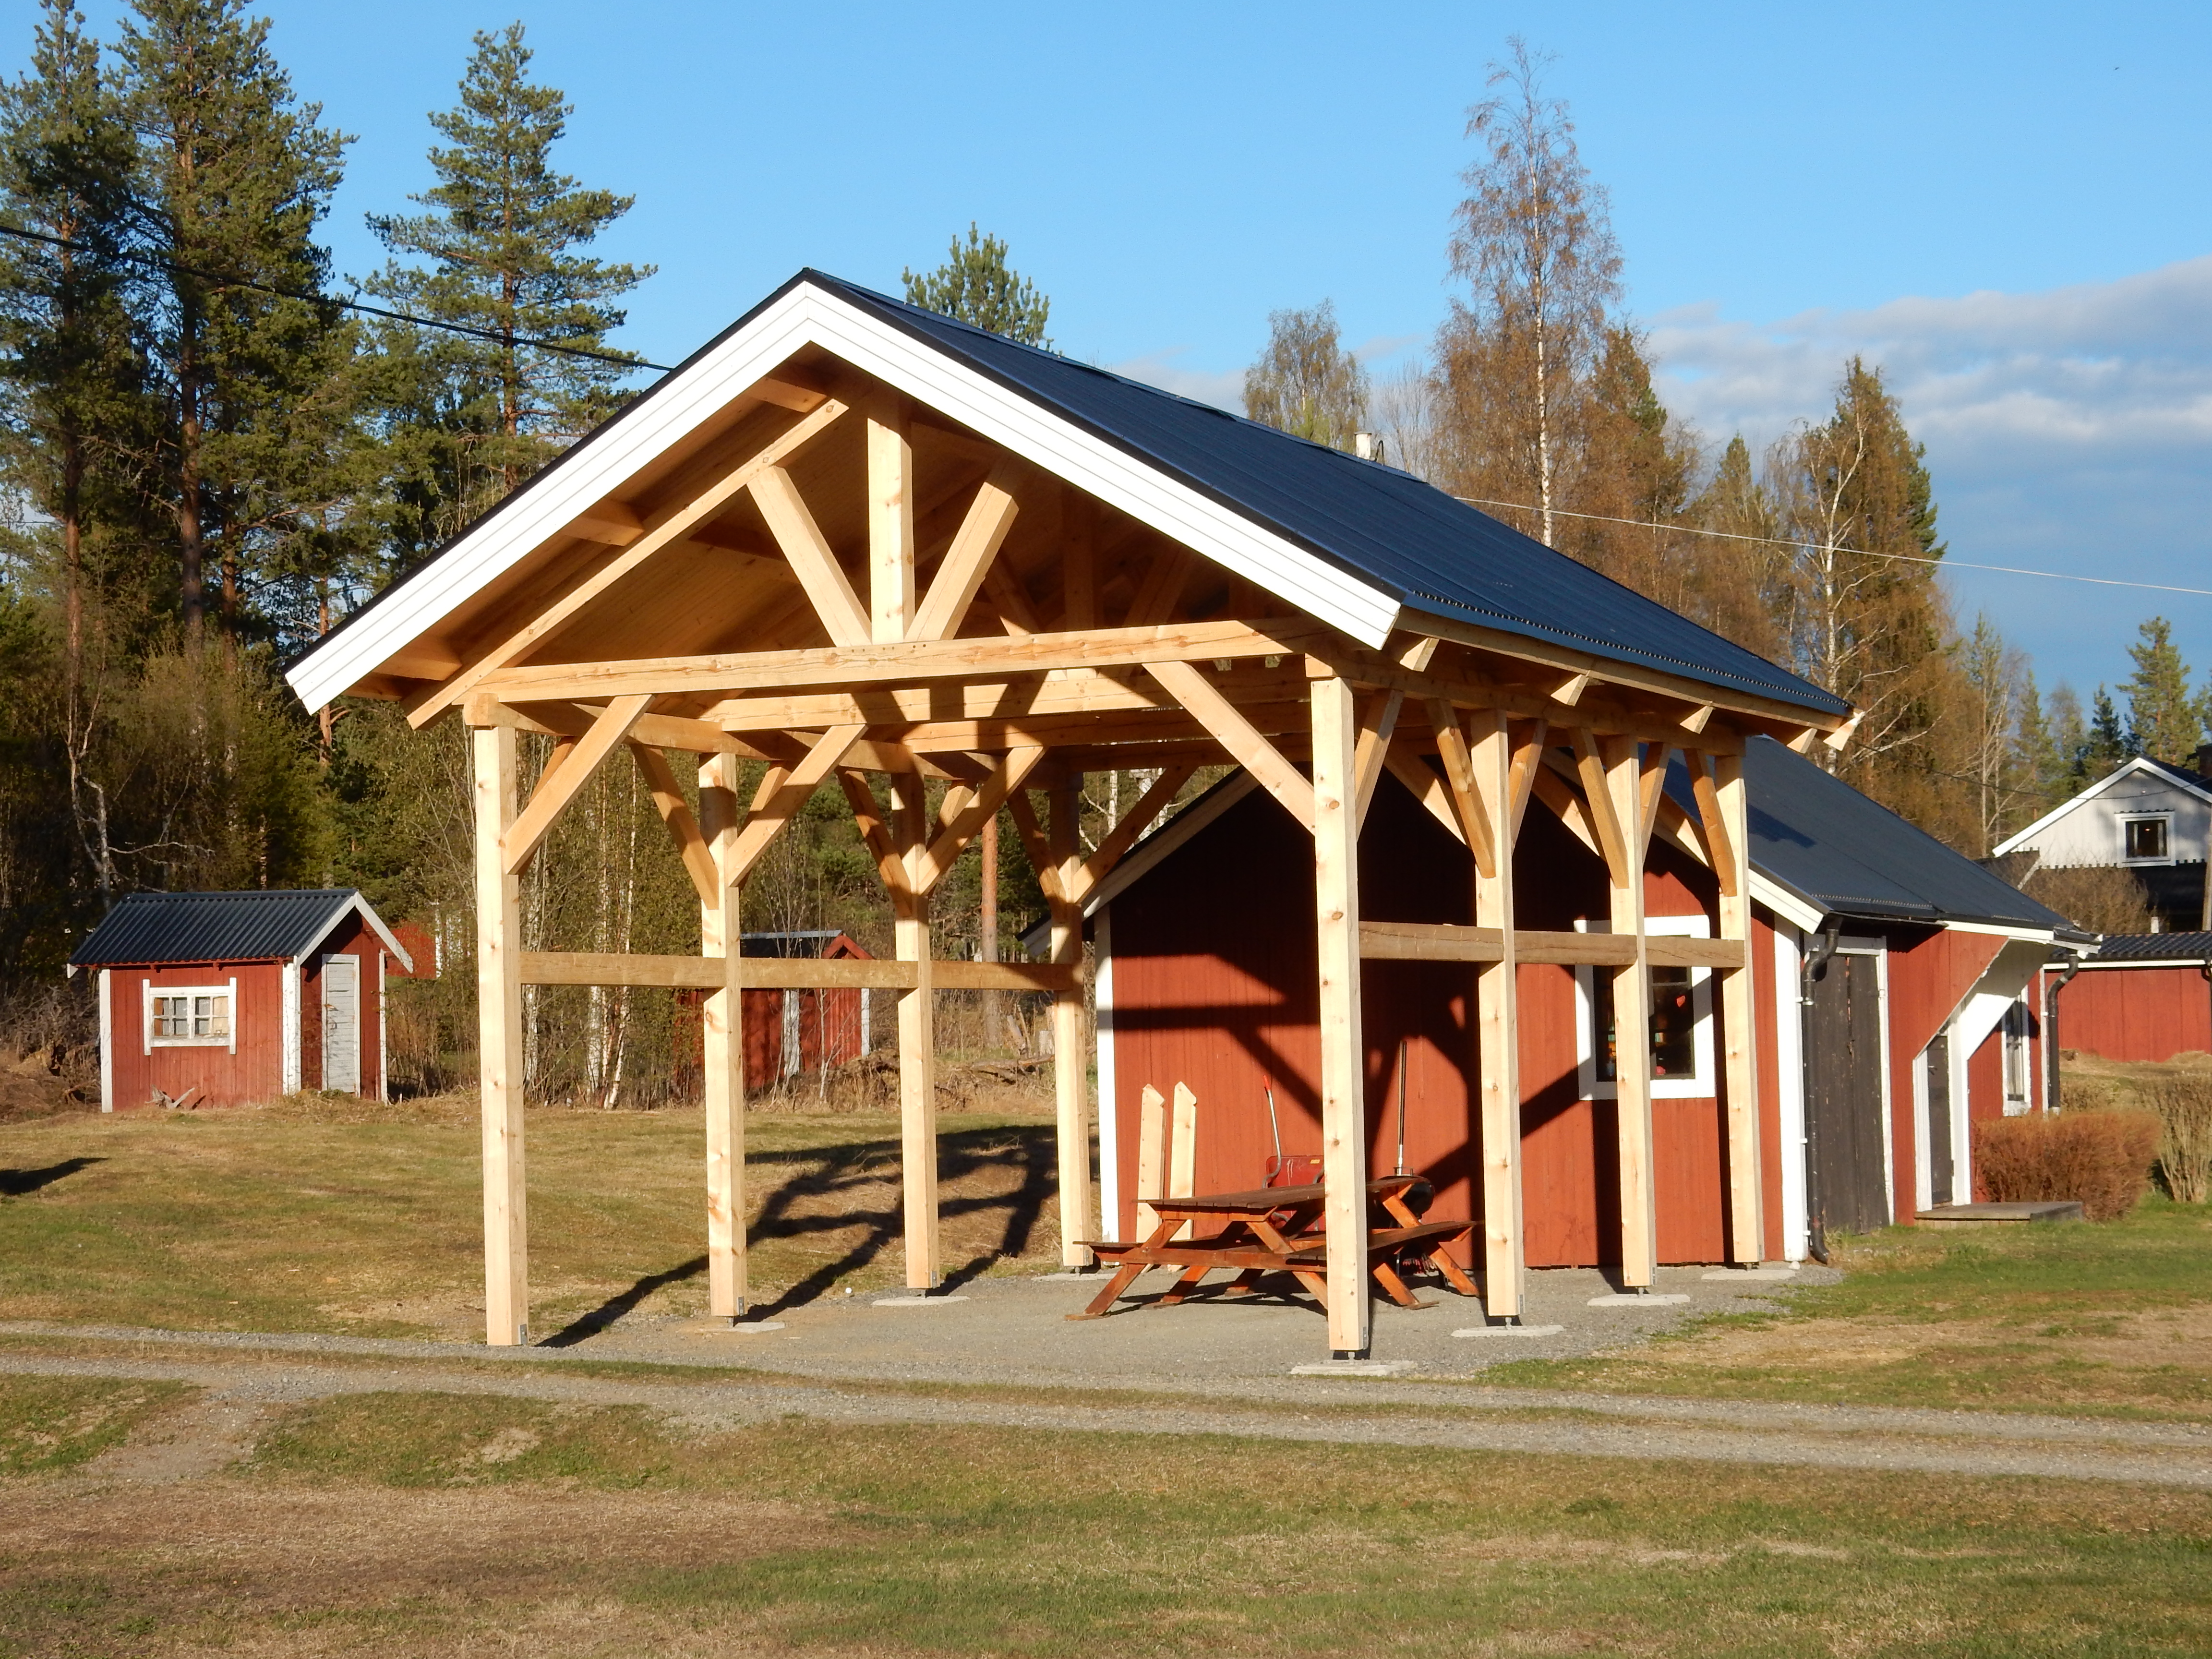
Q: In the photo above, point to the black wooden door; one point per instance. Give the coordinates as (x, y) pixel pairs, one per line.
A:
(1939, 1119)
(1847, 1174)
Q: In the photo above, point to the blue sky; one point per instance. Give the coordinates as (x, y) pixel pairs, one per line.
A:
(2005, 205)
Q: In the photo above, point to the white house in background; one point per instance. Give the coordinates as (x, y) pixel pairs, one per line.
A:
(2149, 817)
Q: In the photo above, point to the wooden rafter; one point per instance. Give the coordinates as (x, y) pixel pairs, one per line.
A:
(868, 817)
(810, 558)
(535, 821)
(1426, 787)
(1164, 581)
(1246, 746)
(1016, 614)
(783, 802)
(1037, 845)
(890, 528)
(1378, 722)
(975, 544)
(664, 530)
(1560, 798)
(682, 827)
(1480, 836)
(1520, 779)
(1712, 822)
(1597, 802)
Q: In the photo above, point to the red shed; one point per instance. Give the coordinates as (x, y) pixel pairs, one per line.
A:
(788, 1030)
(1903, 967)
(228, 997)
(2137, 997)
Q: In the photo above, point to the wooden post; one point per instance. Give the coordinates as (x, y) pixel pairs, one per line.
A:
(1343, 1052)
(1632, 1022)
(987, 927)
(499, 1044)
(1739, 1016)
(1498, 1026)
(917, 1036)
(722, 1040)
(1070, 1053)
(891, 530)
(1152, 1158)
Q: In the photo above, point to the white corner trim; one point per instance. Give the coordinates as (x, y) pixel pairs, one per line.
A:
(1109, 1121)
(235, 1014)
(1148, 853)
(807, 315)
(383, 1024)
(1790, 1077)
(292, 1062)
(107, 1043)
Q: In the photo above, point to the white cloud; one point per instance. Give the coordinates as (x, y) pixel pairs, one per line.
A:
(1160, 368)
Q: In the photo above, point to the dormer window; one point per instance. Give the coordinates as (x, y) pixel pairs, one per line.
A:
(2146, 839)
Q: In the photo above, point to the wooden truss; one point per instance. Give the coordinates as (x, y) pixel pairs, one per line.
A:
(843, 587)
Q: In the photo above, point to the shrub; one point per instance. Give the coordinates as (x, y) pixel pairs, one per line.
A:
(2101, 1159)
(2182, 1101)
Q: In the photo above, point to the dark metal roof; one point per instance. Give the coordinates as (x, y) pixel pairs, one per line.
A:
(1842, 853)
(808, 942)
(155, 928)
(2151, 947)
(1432, 552)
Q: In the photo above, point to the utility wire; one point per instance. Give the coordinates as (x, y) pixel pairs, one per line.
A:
(1860, 552)
(362, 306)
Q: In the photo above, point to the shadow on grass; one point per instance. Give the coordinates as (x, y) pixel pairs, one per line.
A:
(14, 1183)
(590, 1324)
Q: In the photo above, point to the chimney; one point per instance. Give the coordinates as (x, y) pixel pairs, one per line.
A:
(2204, 760)
(1364, 445)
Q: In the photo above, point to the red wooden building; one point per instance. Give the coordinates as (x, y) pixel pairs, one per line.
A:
(219, 998)
(2135, 997)
(1901, 967)
(793, 1030)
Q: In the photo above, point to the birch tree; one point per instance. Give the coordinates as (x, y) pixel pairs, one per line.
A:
(1305, 382)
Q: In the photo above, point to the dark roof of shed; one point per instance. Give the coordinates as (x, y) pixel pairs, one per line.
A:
(1431, 552)
(2153, 947)
(260, 926)
(1847, 855)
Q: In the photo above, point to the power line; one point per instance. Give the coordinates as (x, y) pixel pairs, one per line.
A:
(1860, 552)
(360, 306)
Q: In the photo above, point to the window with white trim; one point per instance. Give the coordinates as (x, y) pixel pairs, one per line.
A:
(179, 1014)
(1681, 1021)
(2147, 839)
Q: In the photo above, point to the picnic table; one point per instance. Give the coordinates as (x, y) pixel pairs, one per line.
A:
(1277, 1230)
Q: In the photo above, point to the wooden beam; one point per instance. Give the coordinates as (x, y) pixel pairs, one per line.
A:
(1459, 772)
(917, 1037)
(890, 530)
(868, 816)
(499, 1044)
(812, 561)
(786, 973)
(1739, 1006)
(683, 828)
(902, 662)
(1621, 780)
(1490, 782)
(784, 801)
(981, 807)
(425, 660)
(665, 531)
(1527, 761)
(1712, 821)
(1378, 721)
(536, 820)
(1343, 1052)
(1650, 793)
(1565, 804)
(1611, 820)
(1133, 824)
(1079, 563)
(1071, 1051)
(1036, 845)
(1165, 579)
(1245, 746)
(1569, 691)
(1010, 599)
(1426, 787)
(975, 545)
(722, 1043)
(614, 523)
(1432, 941)
(1062, 691)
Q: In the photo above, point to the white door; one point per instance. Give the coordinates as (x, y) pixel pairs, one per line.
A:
(341, 1024)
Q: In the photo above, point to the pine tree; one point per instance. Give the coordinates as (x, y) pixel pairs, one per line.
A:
(975, 285)
(1745, 559)
(233, 177)
(1534, 244)
(2037, 760)
(2164, 721)
(499, 240)
(2069, 736)
(2105, 746)
(1305, 382)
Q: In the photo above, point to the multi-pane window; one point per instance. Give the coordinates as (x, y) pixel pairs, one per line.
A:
(2145, 837)
(191, 1016)
(1673, 1026)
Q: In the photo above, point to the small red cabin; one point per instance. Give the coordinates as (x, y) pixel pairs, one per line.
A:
(2137, 997)
(789, 1031)
(219, 998)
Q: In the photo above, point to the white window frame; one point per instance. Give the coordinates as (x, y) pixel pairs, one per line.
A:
(227, 988)
(1705, 1085)
(2128, 819)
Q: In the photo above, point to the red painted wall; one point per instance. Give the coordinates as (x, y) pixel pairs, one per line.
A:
(1930, 972)
(2136, 1013)
(1214, 986)
(352, 937)
(254, 1073)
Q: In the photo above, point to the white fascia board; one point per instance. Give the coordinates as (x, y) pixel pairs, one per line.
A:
(2020, 838)
(1799, 913)
(1998, 930)
(352, 903)
(808, 316)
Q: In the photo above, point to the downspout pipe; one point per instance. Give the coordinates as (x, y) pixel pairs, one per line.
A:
(2052, 1101)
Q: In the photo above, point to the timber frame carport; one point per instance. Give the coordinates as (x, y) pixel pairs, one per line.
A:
(855, 541)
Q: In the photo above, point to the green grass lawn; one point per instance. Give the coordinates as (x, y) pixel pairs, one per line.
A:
(2115, 1317)
(369, 1220)
(622, 1535)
